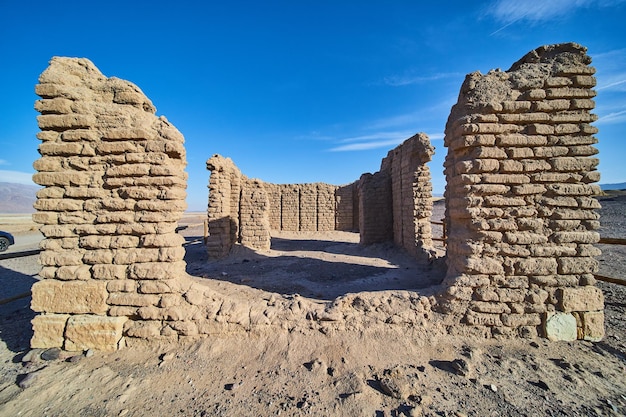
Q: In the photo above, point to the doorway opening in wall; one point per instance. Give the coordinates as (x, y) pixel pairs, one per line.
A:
(317, 265)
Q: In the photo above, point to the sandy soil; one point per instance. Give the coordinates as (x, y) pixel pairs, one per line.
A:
(378, 371)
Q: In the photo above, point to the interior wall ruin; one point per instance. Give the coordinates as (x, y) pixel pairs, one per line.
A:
(520, 174)
(394, 204)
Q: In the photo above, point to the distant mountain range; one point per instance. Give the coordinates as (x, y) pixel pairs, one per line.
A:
(17, 198)
(618, 186)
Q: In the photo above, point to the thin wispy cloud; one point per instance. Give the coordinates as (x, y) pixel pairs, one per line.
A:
(509, 12)
(610, 66)
(3, 162)
(612, 118)
(409, 79)
(377, 140)
(614, 85)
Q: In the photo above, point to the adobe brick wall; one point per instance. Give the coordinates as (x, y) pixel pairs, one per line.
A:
(520, 211)
(394, 204)
(238, 211)
(115, 184)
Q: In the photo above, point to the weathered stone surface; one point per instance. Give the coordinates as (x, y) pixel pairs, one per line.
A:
(48, 330)
(114, 183)
(74, 297)
(534, 215)
(93, 332)
(586, 298)
(593, 325)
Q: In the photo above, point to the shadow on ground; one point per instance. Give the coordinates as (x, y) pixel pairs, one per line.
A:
(15, 313)
(321, 269)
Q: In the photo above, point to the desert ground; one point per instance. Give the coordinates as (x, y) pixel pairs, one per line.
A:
(374, 371)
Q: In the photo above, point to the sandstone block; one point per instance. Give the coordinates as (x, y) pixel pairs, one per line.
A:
(122, 285)
(48, 330)
(483, 319)
(46, 218)
(74, 297)
(576, 237)
(535, 266)
(593, 325)
(81, 135)
(65, 121)
(185, 328)
(162, 240)
(144, 329)
(127, 133)
(151, 313)
(489, 307)
(157, 270)
(80, 272)
(154, 287)
(586, 298)
(135, 300)
(577, 265)
(484, 266)
(101, 256)
(60, 258)
(519, 320)
(573, 164)
(93, 332)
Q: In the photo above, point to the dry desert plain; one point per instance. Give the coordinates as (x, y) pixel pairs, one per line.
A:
(367, 371)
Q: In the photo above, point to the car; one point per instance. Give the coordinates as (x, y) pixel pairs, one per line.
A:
(6, 240)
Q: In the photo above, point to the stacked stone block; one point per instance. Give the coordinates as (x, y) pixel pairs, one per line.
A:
(411, 192)
(275, 204)
(238, 211)
(375, 208)
(114, 189)
(520, 176)
(253, 215)
(308, 207)
(289, 207)
(326, 210)
(347, 203)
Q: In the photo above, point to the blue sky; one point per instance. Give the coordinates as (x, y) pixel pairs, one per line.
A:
(301, 91)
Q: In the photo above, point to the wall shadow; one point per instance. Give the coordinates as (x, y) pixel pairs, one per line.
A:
(15, 313)
(330, 268)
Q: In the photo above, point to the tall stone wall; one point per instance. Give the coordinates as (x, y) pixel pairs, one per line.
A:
(238, 209)
(347, 204)
(304, 207)
(114, 190)
(375, 208)
(395, 204)
(520, 212)
(411, 190)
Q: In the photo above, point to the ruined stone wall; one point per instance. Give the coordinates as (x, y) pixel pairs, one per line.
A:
(223, 209)
(253, 215)
(304, 207)
(411, 191)
(375, 208)
(238, 209)
(114, 189)
(520, 171)
(347, 208)
(395, 204)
